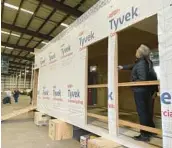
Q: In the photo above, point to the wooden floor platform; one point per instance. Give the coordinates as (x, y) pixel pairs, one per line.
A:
(18, 112)
(98, 117)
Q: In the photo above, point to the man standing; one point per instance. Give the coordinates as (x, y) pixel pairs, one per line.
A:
(30, 94)
(16, 95)
(7, 98)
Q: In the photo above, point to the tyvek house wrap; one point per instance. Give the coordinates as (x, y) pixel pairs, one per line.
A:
(165, 49)
(66, 73)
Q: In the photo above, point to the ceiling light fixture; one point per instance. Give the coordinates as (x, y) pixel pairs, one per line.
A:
(44, 42)
(32, 53)
(15, 34)
(4, 32)
(9, 48)
(27, 11)
(17, 8)
(65, 25)
(11, 6)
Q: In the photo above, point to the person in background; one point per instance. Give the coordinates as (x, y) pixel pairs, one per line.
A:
(30, 94)
(16, 95)
(7, 98)
(143, 70)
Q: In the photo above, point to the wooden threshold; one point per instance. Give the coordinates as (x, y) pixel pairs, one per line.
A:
(140, 83)
(18, 112)
(127, 123)
(97, 86)
(100, 117)
(138, 126)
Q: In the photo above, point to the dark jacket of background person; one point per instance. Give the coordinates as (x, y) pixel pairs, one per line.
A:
(16, 94)
(30, 94)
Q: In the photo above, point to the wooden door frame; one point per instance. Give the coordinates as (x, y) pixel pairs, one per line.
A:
(35, 87)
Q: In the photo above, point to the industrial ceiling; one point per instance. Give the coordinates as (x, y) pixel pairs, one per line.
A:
(29, 24)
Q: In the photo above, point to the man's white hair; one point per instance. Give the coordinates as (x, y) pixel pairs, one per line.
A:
(144, 51)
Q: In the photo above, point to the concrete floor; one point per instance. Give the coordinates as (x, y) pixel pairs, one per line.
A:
(24, 101)
(21, 132)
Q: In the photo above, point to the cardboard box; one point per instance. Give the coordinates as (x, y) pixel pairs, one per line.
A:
(59, 130)
(102, 143)
(41, 119)
(84, 140)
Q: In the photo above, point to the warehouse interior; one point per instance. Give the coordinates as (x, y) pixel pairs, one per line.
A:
(26, 25)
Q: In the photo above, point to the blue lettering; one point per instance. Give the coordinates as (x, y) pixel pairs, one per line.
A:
(121, 19)
(115, 23)
(127, 16)
(45, 92)
(110, 96)
(65, 50)
(80, 40)
(84, 40)
(134, 12)
(52, 56)
(57, 93)
(111, 24)
(166, 98)
(73, 94)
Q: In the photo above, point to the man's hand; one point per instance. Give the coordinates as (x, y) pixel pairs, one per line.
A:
(120, 67)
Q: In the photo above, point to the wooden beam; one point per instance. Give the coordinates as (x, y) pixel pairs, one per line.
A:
(62, 7)
(98, 86)
(138, 126)
(22, 64)
(25, 31)
(35, 86)
(17, 46)
(18, 57)
(140, 83)
(100, 117)
(128, 124)
(17, 112)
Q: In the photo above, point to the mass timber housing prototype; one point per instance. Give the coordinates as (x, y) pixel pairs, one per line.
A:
(76, 78)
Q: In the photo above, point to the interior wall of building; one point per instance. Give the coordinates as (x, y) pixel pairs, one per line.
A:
(9, 82)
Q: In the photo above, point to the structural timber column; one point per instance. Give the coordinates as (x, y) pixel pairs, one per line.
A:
(112, 86)
(31, 80)
(165, 51)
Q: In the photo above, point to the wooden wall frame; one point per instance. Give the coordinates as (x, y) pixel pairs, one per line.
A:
(35, 87)
(118, 122)
(86, 84)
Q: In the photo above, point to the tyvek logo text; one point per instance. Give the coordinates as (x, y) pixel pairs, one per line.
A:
(116, 22)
